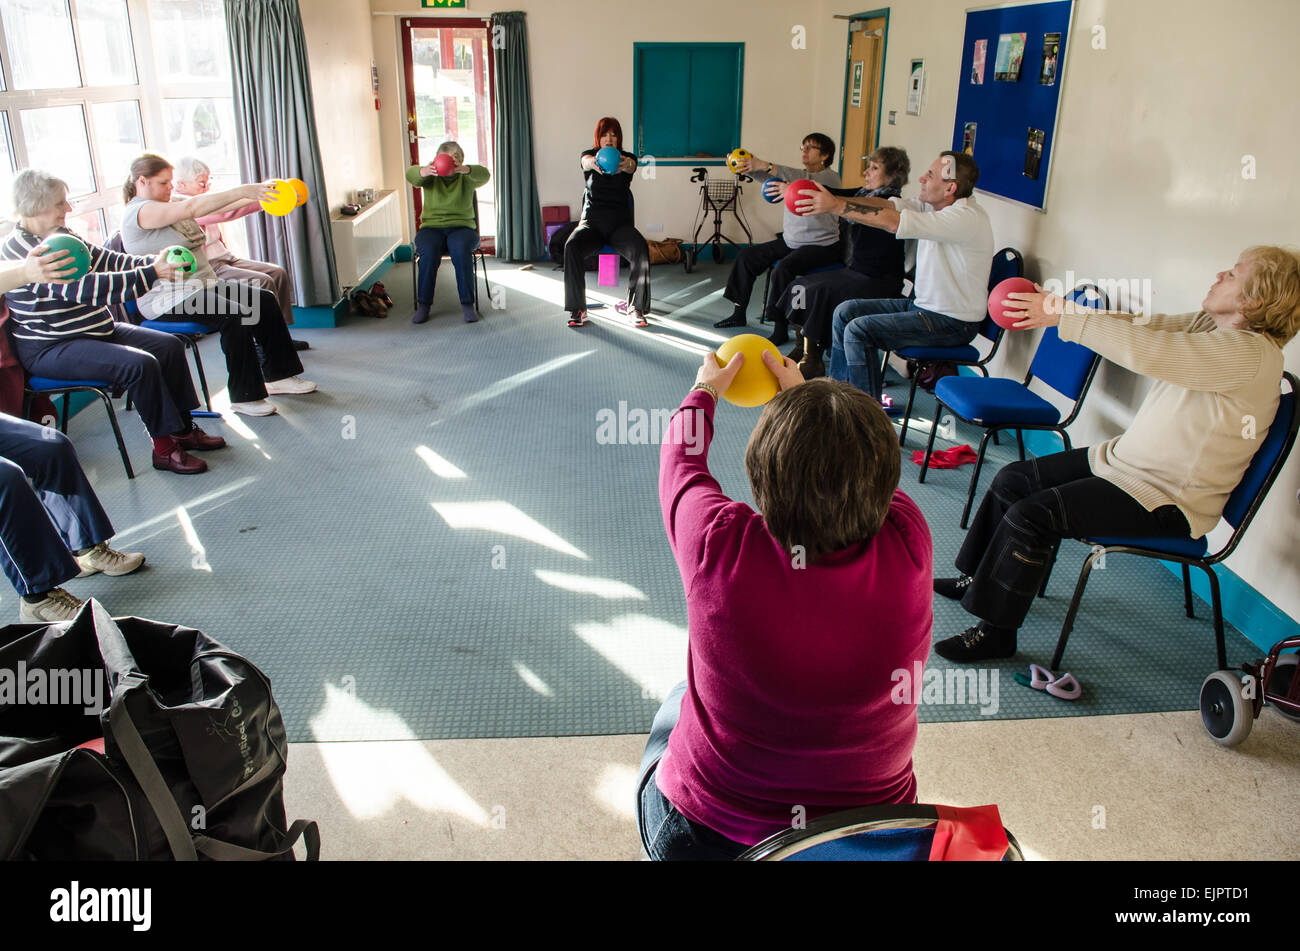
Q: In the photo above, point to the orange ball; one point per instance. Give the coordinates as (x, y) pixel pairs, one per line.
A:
(755, 384)
(300, 188)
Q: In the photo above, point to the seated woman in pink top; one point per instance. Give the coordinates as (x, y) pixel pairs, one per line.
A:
(802, 615)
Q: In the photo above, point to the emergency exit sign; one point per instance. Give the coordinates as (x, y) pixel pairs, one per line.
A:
(442, 4)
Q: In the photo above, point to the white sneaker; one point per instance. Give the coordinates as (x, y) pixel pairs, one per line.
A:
(110, 562)
(57, 606)
(258, 408)
(290, 385)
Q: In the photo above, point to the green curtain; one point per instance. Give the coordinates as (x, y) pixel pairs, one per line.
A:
(519, 212)
(276, 119)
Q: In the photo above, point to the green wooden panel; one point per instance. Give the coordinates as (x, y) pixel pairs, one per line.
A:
(687, 98)
(714, 109)
(663, 98)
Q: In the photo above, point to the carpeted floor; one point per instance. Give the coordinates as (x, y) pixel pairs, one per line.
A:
(443, 543)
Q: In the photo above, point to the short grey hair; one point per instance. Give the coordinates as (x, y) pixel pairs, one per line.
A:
(189, 168)
(36, 192)
(452, 147)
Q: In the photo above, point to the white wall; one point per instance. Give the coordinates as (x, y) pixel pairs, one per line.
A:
(339, 48)
(1146, 179)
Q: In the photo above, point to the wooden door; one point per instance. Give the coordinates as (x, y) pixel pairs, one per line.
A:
(862, 97)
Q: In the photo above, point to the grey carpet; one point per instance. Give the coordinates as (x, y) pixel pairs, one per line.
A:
(536, 595)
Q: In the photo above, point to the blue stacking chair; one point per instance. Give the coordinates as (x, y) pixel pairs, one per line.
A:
(869, 834)
(1006, 263)
(48, 386)
(1241, 508)
(996, 403)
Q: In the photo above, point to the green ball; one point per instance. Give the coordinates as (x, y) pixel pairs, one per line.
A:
(182, 257)
(75, 247)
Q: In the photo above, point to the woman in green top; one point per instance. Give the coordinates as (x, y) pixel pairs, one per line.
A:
(448, 225)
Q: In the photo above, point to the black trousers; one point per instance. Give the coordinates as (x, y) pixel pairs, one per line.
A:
(148, 364)
(247, 317)
(786, 263)
(810, 301)
(1030, 507)
(593, 233)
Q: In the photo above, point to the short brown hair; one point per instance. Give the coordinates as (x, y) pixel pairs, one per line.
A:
(895, 162)
(146, 166)
(1270, 297)
(965, 172)
(823, 463)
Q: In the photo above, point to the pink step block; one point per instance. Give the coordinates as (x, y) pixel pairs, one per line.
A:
(607, 275)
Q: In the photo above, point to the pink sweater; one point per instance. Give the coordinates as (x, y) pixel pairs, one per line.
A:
(789, 670)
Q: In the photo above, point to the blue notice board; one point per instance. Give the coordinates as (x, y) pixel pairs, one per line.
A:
(1013, 60)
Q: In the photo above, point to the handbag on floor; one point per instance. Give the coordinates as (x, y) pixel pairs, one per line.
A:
(134, 739)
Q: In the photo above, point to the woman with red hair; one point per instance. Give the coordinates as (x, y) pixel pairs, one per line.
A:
(607, 219)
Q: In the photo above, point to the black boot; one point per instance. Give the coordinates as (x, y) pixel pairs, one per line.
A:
(780, 333)
(737, 319)
(952, 588)
(981, 642)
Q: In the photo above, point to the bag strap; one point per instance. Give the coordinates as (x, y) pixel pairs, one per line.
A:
(304, 829)
(145, 770)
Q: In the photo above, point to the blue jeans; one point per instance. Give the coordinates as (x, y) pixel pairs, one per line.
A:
(666, 834)
(431, 244)
(862, 328)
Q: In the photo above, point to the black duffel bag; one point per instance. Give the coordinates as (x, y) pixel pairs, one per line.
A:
(138, 740)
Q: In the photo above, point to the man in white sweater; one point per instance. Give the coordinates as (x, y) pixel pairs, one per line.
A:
(1218, 376)
(954, 254)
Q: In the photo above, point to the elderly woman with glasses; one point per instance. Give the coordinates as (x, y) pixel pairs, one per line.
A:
(66, 331)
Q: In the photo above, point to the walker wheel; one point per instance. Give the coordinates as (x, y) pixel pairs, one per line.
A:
(1226, 714)
(688, 260)
(717, 252)
(1280, 682)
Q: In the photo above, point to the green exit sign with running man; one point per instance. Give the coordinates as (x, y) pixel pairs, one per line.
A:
(442, 4)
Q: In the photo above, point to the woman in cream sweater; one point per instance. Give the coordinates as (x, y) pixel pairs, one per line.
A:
(1169, 474)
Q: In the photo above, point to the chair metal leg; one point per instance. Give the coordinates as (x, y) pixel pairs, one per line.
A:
(1065, 438)
(1217, 605)
(117, 432)
(1068, 625)
(975, 478)
(63, 413)
(486, 283)
(995, 439)
(929, 446)
(907, 414)
(193, 344)
(767, 287)
(1020, 441)
(1187, 589)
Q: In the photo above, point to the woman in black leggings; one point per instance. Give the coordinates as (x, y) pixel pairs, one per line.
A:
(607, 219)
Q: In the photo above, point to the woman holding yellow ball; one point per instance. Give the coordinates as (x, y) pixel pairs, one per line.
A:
(246, 315)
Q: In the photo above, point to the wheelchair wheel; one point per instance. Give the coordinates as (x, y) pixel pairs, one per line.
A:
(1226, 714)
(1283, 674)
(717, 252)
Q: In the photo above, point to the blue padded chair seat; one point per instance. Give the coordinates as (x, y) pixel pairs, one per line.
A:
(966, 354)
(39, 383)
(1191, 547)
(177, 327)
(876, 845)
(995, 401)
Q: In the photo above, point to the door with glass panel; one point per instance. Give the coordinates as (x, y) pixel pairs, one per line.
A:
(448, 79)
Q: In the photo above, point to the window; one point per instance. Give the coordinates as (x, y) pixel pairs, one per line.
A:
(87, 85)
(687, 99)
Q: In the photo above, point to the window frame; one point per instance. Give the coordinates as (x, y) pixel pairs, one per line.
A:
(147, 92)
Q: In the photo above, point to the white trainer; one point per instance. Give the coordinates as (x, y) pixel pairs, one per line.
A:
(258, 408)
(109, 561)
(57, 606)
(290, 385)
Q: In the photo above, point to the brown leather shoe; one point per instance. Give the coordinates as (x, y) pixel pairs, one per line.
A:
(180, 461)
(198, 439)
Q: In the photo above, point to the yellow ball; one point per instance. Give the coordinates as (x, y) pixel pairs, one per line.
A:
(737, 157)
(755, 384)
(285, 201)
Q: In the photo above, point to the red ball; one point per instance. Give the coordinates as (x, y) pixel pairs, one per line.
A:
(1012, 285)
(795, 192)
(443, 164)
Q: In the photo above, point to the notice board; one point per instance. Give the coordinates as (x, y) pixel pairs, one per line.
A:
(1013, 63)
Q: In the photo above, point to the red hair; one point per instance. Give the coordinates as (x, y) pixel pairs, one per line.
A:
(609, 124)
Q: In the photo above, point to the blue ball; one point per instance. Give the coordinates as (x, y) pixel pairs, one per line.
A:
(609, 159)
(770, 194)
